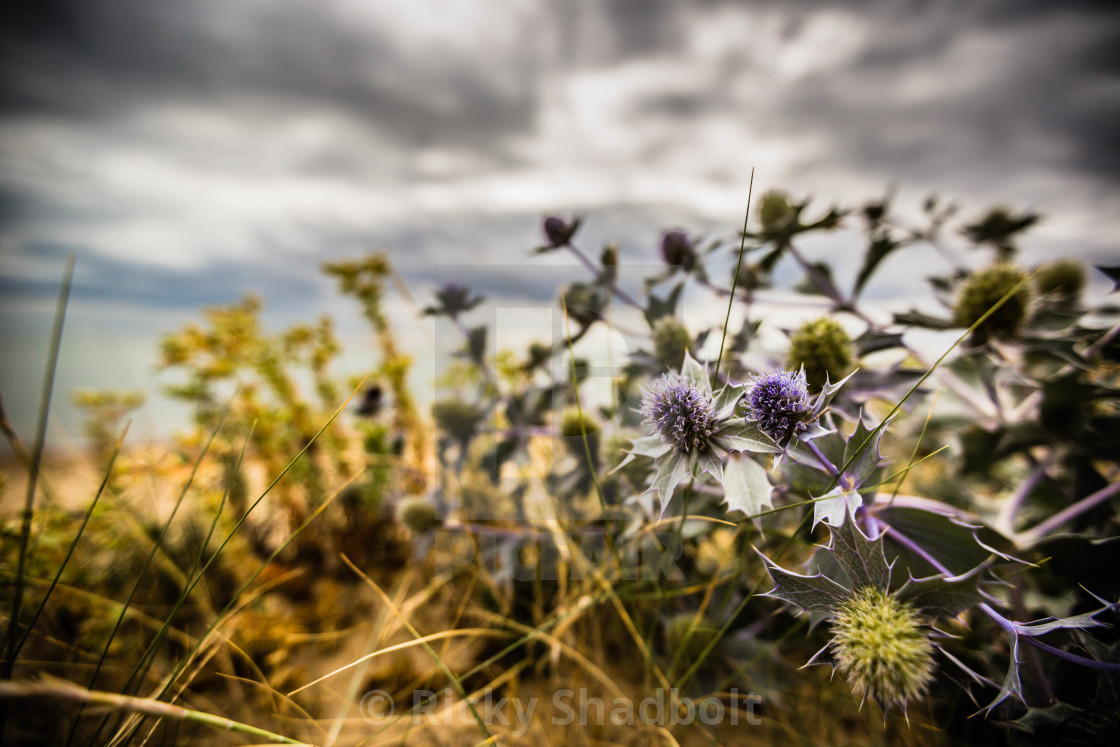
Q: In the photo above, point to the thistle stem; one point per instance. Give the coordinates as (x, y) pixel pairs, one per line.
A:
(1025, 634)
(829, 467)
(1006, 519)
(622, 295)
(1088, 503)
(918, 550)
(1019, 630)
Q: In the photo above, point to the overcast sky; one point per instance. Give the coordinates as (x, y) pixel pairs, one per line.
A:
(188, 151)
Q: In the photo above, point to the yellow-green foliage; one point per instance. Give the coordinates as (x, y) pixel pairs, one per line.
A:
(364, 279)
(270, 411)
(824, 348)
(983, 290)
(105, 411)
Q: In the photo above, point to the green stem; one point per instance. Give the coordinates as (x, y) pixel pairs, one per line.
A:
(735, 278)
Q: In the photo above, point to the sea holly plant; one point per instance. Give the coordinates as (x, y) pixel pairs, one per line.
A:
(884, 634)
(695, 431)
(692, 430)
(883, 641)
(779, 411)
(836, 468)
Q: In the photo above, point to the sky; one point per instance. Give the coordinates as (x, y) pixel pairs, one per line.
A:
(188, 152)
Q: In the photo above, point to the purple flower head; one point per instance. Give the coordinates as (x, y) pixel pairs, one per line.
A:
(778, 403)
(680, 413)
(677, 249)
(558, 231)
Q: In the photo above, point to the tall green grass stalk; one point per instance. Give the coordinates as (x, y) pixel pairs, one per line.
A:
(11, 637)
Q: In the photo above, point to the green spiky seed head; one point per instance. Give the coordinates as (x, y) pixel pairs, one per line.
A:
(1062, 280)
(775, 211)
(824, 348)
(879, 646)
(418, 515)
(982, 290)
(690, 636)
(458, 419)
(670, 342)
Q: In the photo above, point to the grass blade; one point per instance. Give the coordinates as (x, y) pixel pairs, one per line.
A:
(58, 689)
(143, 571)
(10, 644)
(74, 543)
(33, 472)
(735, 278)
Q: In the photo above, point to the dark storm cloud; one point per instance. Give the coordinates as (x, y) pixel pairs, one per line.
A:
(1056, 80)
(97, 66)
(100, 60)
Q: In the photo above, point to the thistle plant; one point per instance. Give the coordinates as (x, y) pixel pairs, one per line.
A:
(418, 514)
(692, 429)
(823, 349)
(983, 290)
(879, 646)
(458, 419)
(778, 404)
(1062, 281)
(775, 212)
(880, 642)
(671, 340)
(948, 528)
(678, 250)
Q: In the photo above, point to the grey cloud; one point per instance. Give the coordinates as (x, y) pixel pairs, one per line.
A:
(103, 279)
(102, 59)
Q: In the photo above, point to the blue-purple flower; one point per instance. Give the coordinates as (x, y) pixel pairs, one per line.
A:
(680, 413)
(678, 250)
(778, 404)
(558, 231)
(692, 429)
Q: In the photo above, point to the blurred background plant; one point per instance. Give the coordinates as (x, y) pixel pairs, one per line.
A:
(311, 539)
